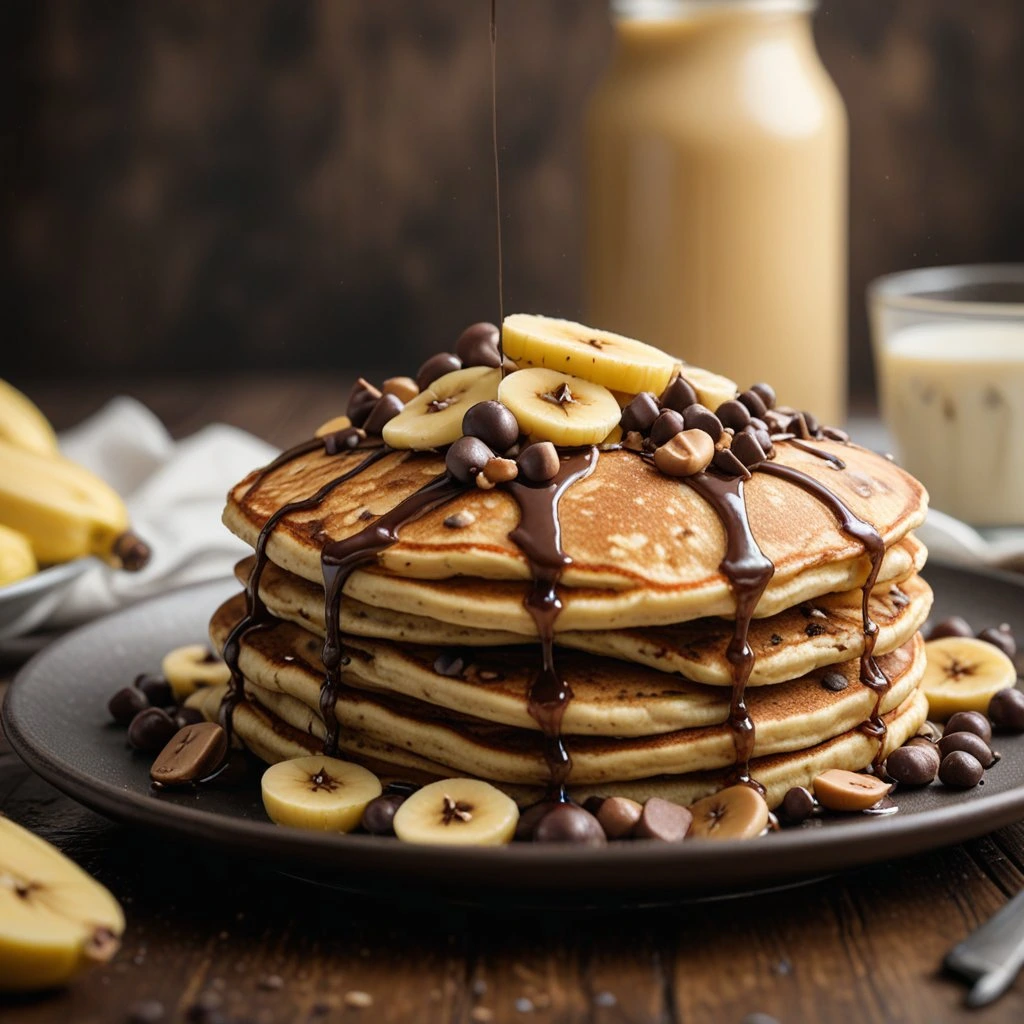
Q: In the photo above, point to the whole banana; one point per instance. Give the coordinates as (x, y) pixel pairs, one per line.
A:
(16, 557)
(64, 510)
(22, 424)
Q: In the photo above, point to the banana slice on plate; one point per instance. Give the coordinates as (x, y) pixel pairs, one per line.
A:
(457, 812)
(55, 920)
(317, 792)
(963, 674)
(615, 361)
(188, 668)
(738, 812)
(712, 388)
(434, 417)
(552, 406)
(16, 558)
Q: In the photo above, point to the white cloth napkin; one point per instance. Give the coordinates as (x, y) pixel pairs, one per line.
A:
(175, 492)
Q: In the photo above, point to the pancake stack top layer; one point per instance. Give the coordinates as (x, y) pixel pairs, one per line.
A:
(579, 489)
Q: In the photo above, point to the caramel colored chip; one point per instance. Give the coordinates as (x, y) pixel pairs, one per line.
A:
(840, 790)
(738, 812)
(403, 388)
(618, 815)
(689, 452)
(193, 753)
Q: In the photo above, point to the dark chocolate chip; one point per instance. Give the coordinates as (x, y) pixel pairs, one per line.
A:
(972, 743)
(569, 823)
(146, 1011)
(763, 438)
(126, 704)
(700, 417)
(343, 440)
(969, 721)
(157, 690)
(151, 730)
(379, 815)
(1001, 637)
(1006, 710)
(914, 765)
(539, 462)
(746, 448)
(813, 629)
(834, 681)
(776, 639)
(361, 401)
(188, 716)
(663, 820)
(493, 423)
(733, 414)
(797, 805)
(953, 626)
(728, 464)
(799, 427)
(754, 402)
(593, 804)
(467, 457)
(450, 663)
(640, 414)
(679, 395)
(766, 393)
(960, 770)
(191, 754)
(667, 424)
(617, 815)
(386, 408)
(478, 345)
(813, 426)
(835, 434)
(531, 817)
(437, 366)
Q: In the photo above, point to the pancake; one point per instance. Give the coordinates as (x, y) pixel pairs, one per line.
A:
(789, 644)
(646, 549)
(272, 740)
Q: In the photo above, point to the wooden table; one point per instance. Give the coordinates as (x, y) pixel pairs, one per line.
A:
(255, 947)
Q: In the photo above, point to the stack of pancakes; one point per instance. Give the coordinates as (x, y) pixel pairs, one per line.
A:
(441, 651)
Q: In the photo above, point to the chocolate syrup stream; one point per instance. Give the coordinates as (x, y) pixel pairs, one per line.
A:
(340, 558)
(749, 572)
(539, 537)
(874, 547)
(497, 175)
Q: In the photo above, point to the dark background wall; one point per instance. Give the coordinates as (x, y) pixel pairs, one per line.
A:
(198, 184)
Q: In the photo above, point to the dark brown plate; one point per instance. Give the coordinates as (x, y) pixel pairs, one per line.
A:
(55, 718)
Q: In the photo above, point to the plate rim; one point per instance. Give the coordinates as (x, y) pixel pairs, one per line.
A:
(48, 578)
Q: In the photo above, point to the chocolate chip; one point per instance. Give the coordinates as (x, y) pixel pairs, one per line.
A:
(797, 805)
(386, 408)
(700, 417)
(813, 426)
(775, 639)
(834, 681)
(913, 765)
(593, 804)
(813, 629)
(157, 690)
(960, 770)
(436, 366)
(679, 395)
(539, 462)
(687, 453)
(617, 815)
(569, 823)
(361, 401)
(755, 404)
(835, 434)
(733, 414)
(763, 438)
(478, 346)
(972, 743)
(1001, 637)
(746, 448)
(379, 815)
(953, 626)
(969, 721)
(531, 817)
(766, 393)
(151, 730)
(727, 464)
(188, 716)
(191, 754)
(799, 427)
(1006, 710)
(467, 457)
(666, 426)
(126, 704)
(663, 820)
(146, 1011)
(493, 423)
(640, 414)
(459, 520)
(343, 440)
(450, 663)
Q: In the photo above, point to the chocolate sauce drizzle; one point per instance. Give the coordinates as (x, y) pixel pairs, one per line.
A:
(820, 453)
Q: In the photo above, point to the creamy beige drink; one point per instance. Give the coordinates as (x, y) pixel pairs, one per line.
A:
(953, 397)
(716, 195)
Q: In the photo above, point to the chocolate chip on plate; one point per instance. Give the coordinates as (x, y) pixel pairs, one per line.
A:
(970, 742)
(679, 395)
(379, 815)
(151, 730)
(466, 458)
(700, 417)
(617, 815)
(157, 690)
(493, 423)
(733, 413)
(1006, 710)
(955, 625)
(1001, 637)
(436, 366)
(569, 823)
(663, 820)
(914, 765)
(531, 817)
(539, 462)
(192, 753)
(969, 721)
(640, 413)
(478, 345)
(797, 805)
(666, 426)
(960, 770)
(126, 704)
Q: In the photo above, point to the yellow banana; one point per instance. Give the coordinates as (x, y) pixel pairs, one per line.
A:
(16, 558)
(64, 510)
(22, 424)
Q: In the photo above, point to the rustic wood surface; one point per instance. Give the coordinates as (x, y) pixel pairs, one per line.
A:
(253, 946)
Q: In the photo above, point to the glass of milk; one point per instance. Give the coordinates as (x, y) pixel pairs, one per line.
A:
(949, 353)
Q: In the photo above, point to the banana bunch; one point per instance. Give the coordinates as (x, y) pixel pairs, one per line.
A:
(51, 509)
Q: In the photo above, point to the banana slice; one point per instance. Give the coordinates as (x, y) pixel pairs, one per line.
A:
(16, 557)
(712, 388)
(457, 812)
(190, 667)
(738, 812)
(317, 792)
(434, 417)
(612, 360)
(963, 674)
(55, 920)
(552, 406)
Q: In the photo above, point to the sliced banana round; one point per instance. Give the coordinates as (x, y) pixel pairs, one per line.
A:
(191, 667)
(457, 812)
(434, 417)
(552, 406)
(54, 919)
(738, 812)
(613, 360)
(963, 674)
(712, 388)
(318, 792)
(333, 425)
